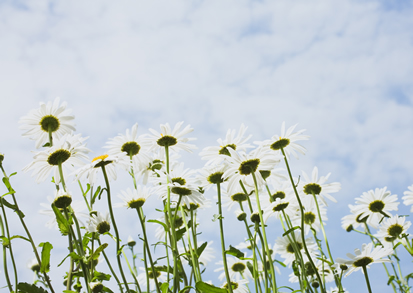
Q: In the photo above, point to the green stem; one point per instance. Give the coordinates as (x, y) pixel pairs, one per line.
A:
(267, 249)
(115, 228)
(367, 278)
(110, 268)
(131, 271)
(221, 230)
(145, 239)
(6, 272)
(302, 219)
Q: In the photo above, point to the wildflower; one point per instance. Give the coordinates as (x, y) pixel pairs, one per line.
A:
(336, 290)
(67, 151)
(353, 220)
(99, 223)
(89, 171)
(211, 175)
(135, 198)
(311, 219)
(49, 117)
(318, 187)
(33, 264)
(239, 286)
(160, 276)
(216, 154)
(96, 287)
(322, 268)
(131, 242)
(376, 205)
(237, 269)
(392, 230)
(173, 139)
(365, 257)
(286, 141)
(408, 197)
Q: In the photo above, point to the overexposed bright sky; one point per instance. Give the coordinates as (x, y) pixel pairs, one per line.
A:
(340, 69)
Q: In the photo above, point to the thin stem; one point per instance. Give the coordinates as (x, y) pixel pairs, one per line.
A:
(367, 278)
(115, 228)
(145, 239)
(131, 270)
(6, 272)
(221, 231)
(110, 268)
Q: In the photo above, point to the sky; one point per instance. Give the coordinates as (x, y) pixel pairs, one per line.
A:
(342, 70)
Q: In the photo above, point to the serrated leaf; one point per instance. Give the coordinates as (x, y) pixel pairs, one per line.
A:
(207, 288)
(29, 288)
(62, 222)
(235, 252)
(96, 253)
(47, 247)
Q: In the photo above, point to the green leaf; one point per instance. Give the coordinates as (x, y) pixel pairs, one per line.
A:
(8, 185)
(200, 249)
(291, 230)
(164, 287)
(101, 276)
(12, 174)
(180, 233)
(235, 252)
(106, 289)
(207, 288)
(61, 221)
(73, 255)
(96, 253)
(5, 241)
(160, 223)
(47, 247)
(28, 288)
(186, 289)
(216, 217)
(21, 237)
(390, 280)
(97, 193)
(69, 291)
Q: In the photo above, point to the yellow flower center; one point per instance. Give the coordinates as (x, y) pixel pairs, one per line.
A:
(102, 157)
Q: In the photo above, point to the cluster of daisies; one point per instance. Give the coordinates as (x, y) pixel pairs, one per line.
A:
(251, 179)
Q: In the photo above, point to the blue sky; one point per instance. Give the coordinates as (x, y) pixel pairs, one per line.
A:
(342, 70)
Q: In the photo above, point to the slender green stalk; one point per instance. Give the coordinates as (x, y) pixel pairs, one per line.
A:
(46, 277)
(145, 239)
(322, 228)
(367, 279)
(110, 268)
(267, 249)
(302, 218)
(115, 228)
(131, 271)
(221, 231)
(6, 271)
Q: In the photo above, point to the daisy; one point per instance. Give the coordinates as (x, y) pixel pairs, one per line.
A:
(90, 170)
(336, 290)
(311, 219)
(408, 197)
(241, 165)
(99, 223)
(237, 196)
(96, 287)
(68, 151)
(49, 118)
(365, 257)
(237, 269)
(322, 268)
(392, 230)
(286, 141)
(135, 198)
(33, 264)
(171, 138)
(285, 248)
(239, 286)
(353, 220)
(160, 276)
(376, 205)
(131, 241)
(216, 154)
(211, 175)
(318, 187)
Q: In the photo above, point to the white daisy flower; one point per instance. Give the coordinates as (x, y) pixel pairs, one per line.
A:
(131, 241)
(408, 197)
(241, 165)
(336, 290)
(160, 230)
(96, 287)
(99, 223)
(90, 170)
(365, 257)
(318, 186)
(161, 277)
(322, 267)
(284, 247)
(135, 198)
(237, 196)
(171, 138)
(376, 205)
(239, 286)
(69, 151)
(286, 141)
(211, 175)
(237, 269)
(216, 154)
(49, 117)
(311, 219)
(33, 264)
(392, 230)
(353, 220)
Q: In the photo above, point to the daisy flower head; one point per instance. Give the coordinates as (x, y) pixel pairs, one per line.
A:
(69, 151)
(171, 138)
(160, 276)
(99, 223)
(284, 246)
(239, 286)
(237, 196)
(135, 198)
(89, 171)
(216, 154)
(211, 175)
(311, 219)
(363, 258)
(131, 241)
(393, 230)
(48, 118)
(33, 264)
(61, 198)
(287, 141)
(241, 165)
(353, 220)
(96, 287)
(408, 197)
(336, 290)
(376, 205)
(237, 269)
(319, 187)
(322, 268)
(280, 206)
